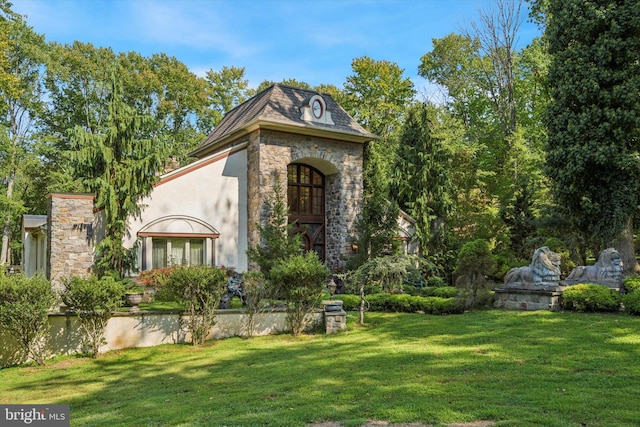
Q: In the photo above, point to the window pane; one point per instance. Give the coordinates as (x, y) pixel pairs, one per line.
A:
(305, 200)
(292, 198)
(292, 173)
(317, 179)
(177, 252)
(305, 175)
(317, 202)
(196, 252)
(159, 253)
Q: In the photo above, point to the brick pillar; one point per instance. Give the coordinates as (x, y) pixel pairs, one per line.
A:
(70, 237)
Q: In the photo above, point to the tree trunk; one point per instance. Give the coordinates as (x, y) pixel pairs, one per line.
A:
(362, 305)
(624, 245)
(6, 232)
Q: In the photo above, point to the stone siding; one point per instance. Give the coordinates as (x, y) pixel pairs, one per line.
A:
(340, 162)
(70, 237)
(527, 300)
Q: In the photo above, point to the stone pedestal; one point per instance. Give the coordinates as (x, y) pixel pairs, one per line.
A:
(335, 318)
(527, 299)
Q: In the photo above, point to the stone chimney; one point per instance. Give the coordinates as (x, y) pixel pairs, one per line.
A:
(70, 237)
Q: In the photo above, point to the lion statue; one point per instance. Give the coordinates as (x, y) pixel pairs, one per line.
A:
(543, 273)
(606, 271)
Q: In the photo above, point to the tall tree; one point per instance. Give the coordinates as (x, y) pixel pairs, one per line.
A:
(594, 118)
(377, 95)
(423, 176)
(226, 89)
(21, 99)
(118, 162)
(496, 91)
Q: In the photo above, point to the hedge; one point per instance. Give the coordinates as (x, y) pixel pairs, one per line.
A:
(591, 297)
(401, 303)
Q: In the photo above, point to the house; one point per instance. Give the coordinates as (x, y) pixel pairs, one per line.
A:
(207, 211)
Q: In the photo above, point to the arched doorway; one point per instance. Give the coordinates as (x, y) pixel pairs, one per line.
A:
(306, 197)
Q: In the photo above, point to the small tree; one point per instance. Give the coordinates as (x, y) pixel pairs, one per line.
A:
(200, 289)
(474, 264)
(93, 300)
(256, 291)
(387, 274)
(24, 303)
(301, 279)
(277, 242)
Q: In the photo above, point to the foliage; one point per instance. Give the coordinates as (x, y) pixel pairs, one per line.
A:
(277, 243)
(423, 177)
(119, 163)
(632, 284)
(474, 264)
(93, 300)
(24, 304)
(631, 303)
(257, 291)
(436, 282)
(591, 297)
(24, 53)
(496, 94)
(226, 89)
(594, 118)
(156, 277)
(402, 303)
(200, 289)
(300, 279)
(376, 95)
(387, 274)
(558, 246)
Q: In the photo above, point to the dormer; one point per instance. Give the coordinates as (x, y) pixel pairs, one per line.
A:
(315, 111)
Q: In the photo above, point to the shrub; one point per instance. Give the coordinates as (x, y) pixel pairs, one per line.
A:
(24, 304)
(386, 274)
(591, 297)
(155, 278)
(256, 291)
(350, 302)
(632, 284)
(93, 300)
(436, 282)
(300, 279)
(474, 264)
(403, 303)
(445, 292)
(200, 289)
(631, 303)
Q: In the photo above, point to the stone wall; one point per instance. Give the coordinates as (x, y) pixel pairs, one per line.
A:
(70, 230)
(341, 163)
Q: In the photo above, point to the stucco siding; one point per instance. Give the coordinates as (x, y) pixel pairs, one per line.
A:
(212, 191)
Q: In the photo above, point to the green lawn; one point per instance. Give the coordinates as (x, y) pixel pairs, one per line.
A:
(515, 368)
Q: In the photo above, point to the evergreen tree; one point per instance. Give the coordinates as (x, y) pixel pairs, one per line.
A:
(119, 163)
(423, 177)
(594, 118)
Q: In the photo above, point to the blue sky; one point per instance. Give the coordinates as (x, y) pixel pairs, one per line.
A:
(312, 41)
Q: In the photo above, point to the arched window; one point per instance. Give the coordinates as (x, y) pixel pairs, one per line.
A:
(305, 196)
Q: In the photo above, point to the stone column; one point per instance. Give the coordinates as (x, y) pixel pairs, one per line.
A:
(70, 237)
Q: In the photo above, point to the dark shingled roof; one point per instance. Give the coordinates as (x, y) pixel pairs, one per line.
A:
(281, 105)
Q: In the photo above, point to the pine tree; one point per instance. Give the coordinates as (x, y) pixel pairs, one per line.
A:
(119, 163)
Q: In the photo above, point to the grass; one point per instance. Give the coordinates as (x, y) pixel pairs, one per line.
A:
(515, 368)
